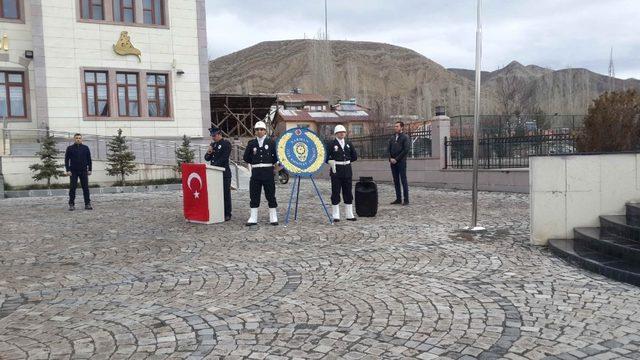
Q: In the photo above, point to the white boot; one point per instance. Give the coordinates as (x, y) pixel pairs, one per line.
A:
(348, 208)
(336, 213)
(253, 219)
(273, 216)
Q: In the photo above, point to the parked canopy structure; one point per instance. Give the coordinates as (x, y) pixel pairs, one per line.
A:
(236, 114)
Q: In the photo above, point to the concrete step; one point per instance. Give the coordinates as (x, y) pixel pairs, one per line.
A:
(577, 253)
(593, 238)
(617, 225)
(633, 214)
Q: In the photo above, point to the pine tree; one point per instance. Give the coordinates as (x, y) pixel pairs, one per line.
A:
(120, 158)
(184, 154)
(49, 167)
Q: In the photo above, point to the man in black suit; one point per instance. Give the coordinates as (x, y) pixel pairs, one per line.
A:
(261, 155)
(218, 154)
(398, 150)
(340, 155)
(77, 162)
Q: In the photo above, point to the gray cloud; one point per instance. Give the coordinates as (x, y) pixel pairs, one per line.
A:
(550, 33)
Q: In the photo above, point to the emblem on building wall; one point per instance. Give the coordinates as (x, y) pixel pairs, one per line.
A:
(4, 43)
(124, 46)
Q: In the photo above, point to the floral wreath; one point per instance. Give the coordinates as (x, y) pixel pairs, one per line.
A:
(314, 167)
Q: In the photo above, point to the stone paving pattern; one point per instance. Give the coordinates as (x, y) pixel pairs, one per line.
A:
(132, 280)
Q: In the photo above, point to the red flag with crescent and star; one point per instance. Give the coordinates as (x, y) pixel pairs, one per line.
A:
(194, 191)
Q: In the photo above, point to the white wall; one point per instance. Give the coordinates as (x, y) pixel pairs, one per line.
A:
(70, 45)
(16, 172)
(573, 191)
(427, 172)
(20, 39)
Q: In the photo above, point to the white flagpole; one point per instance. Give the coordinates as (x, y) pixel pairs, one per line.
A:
(326, 22)
(476, 124)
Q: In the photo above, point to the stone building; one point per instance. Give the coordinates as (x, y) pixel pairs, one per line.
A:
(93, 66)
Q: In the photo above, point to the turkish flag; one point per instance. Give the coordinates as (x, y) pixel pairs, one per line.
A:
(194, 191)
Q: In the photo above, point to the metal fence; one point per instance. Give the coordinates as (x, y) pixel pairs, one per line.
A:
(515, 125)
(28, 142)
(147, 151)
(377, 146)
(505, 152)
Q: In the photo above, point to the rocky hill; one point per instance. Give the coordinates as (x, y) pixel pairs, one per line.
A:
(395, 80)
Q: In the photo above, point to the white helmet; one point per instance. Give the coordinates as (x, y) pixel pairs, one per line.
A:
(260, 125)
(339, 128)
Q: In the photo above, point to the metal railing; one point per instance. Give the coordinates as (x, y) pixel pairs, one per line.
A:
(506, 152)
(147, 151)
(377, 146)
(515, 125)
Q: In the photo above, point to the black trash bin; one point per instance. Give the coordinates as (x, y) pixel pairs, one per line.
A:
(366, 197)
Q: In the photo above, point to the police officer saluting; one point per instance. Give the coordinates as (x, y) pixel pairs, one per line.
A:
(261, 156)
(218, 154)
(341, 154)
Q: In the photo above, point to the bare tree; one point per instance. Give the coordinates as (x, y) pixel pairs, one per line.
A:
(322, 67)
(379, 118)
(352, 81)
(515, 95)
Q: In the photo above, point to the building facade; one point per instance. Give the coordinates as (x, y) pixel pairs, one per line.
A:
(93, 66)
(314, 112)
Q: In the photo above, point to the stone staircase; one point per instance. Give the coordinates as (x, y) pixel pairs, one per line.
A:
(612, 250)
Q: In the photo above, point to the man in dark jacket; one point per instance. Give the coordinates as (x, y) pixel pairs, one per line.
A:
(340, 155)
(218, 154)
(261, 155)
(398, 150)
(77, 162)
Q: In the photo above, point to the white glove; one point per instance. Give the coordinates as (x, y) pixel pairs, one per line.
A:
(332, 163)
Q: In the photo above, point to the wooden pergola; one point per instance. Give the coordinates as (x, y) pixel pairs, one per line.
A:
(236, 114)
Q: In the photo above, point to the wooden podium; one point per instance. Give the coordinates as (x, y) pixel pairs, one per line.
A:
(203, 193)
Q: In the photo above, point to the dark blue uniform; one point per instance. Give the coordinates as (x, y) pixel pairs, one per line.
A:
(262, 176)
(219, 156)
(398, 149)
(77, 161)
(341, 180)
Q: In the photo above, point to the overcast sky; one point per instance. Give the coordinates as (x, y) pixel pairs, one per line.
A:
(551, 33)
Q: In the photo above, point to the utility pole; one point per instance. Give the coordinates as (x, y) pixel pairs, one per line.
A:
(326, 22)
(612, 73)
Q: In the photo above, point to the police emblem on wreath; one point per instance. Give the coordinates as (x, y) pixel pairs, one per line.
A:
(301, 152)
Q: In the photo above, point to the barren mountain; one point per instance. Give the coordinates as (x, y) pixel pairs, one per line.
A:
(395, 80)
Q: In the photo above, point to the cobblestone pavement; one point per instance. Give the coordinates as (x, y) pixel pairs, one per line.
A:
(132, 280)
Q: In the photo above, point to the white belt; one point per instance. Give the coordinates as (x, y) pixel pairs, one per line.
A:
(261, 165)
(343, 162)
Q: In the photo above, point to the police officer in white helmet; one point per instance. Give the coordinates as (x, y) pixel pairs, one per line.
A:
(341, 154)
(261, 156)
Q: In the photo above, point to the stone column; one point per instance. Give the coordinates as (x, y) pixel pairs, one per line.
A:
(440, 128)
(3, 151)
(1, 180)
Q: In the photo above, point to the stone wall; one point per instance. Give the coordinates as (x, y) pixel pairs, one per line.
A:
(573, 191)
(16, 172)
(427, 172)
